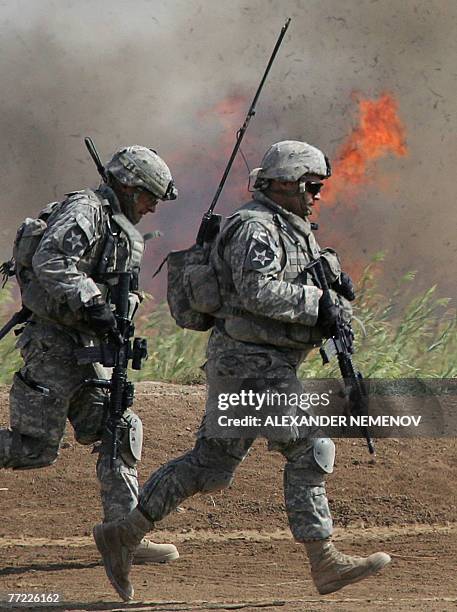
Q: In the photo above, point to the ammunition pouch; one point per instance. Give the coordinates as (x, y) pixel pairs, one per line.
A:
(259, 330)
(331, 263)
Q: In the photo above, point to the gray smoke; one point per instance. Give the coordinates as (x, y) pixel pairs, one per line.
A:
(151, 72)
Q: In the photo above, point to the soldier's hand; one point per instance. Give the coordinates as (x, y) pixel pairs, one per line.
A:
(101, 319)
(345, 287)
(328, 312)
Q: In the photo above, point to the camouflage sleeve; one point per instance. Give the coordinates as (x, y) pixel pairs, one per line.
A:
(256, 259)
(74, 231)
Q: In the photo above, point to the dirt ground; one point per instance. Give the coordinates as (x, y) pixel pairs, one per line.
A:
(236, 550)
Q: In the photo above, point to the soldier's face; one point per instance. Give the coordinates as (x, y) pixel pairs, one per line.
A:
(136, 202)
(309, 187)
(145, 202)
(300, 196)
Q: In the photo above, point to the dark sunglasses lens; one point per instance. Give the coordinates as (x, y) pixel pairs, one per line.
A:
(150, 194)
(314, 188)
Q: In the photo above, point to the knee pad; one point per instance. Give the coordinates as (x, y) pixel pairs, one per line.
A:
(324, 454)
(130, 443)
(132, 439)
(310, 463)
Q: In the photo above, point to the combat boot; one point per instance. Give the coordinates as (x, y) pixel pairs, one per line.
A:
(117, 542)
(332, 570)
(150, 552)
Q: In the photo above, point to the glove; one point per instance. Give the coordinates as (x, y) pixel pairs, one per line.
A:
(329, 275)
(101, 319)
(328, 312)
(345, 287)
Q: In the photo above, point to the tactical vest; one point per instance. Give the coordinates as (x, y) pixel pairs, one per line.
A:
(119, 248)
(123, 245)
(298, 246)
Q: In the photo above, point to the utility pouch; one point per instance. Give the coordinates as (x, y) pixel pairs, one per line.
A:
(28, 408)
(202, 288)
(186, 288)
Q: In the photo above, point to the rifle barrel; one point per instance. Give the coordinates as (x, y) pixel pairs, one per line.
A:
(95, 156)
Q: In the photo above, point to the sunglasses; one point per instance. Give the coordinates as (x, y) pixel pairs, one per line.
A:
(313, 188)
(149, 193)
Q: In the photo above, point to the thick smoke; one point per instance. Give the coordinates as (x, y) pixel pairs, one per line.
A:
(151, 72)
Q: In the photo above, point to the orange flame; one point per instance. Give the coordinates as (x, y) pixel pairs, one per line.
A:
(379, 133)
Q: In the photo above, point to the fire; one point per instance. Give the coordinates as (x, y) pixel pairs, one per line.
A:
(379, 133)
(197, 170)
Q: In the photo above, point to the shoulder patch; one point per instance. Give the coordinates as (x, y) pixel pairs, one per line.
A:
(76, 236)
(262, 253)
(74, 241)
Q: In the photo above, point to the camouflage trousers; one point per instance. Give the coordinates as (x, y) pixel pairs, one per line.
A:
(48, 390)
(211, 464)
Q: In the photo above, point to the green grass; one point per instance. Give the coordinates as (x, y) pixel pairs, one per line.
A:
(10, 360)
(404, 335)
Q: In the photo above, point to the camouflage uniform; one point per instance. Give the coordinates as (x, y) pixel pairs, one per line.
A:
(50, 388)
(264, 330)
(269, 316)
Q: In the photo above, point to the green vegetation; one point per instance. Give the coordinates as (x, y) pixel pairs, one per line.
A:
(10, 359)
(175, 354)
(418, 339)
(415, 340)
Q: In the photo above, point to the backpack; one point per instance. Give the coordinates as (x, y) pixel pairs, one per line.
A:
(193, 292)
(193, 289)
(28, 237)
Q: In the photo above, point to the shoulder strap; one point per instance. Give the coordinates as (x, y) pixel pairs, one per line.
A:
(227, 234)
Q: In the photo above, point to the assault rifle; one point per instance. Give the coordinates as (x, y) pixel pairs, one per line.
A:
(210, 223)
(118, 350)
(116, 354)
(341, 344)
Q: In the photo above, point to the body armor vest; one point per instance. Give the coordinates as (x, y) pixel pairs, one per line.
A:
(118, 247)
(298, 246)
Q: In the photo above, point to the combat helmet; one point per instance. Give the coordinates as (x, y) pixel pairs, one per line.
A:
(289, 160)
(137, 166)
